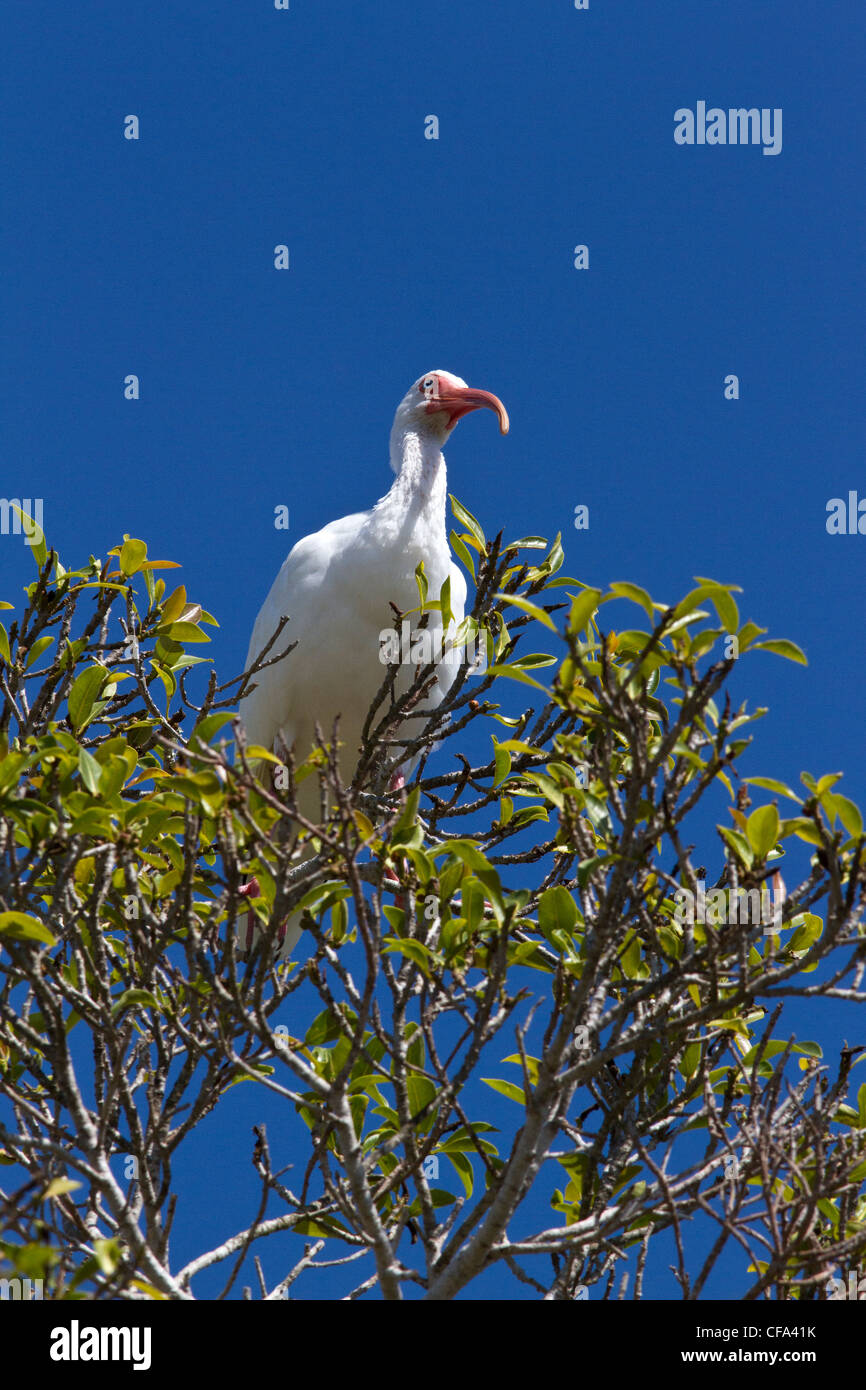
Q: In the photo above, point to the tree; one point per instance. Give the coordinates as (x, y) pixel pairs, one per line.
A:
(529, 934)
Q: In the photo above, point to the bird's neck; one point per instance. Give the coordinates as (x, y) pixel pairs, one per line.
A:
(418, 493)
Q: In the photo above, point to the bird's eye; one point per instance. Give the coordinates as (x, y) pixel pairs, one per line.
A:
(428, 384)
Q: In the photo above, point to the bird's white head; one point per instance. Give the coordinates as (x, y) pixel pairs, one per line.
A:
(435, 402)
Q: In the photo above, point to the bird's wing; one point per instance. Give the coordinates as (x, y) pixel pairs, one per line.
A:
(299, 592)
(336, 591)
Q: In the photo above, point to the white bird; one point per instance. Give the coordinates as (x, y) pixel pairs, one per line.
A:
(337, 587)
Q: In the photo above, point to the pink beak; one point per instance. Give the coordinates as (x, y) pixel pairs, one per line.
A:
(457, 401)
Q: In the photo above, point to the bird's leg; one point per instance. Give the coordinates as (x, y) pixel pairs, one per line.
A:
(392, 883)
(250, 889)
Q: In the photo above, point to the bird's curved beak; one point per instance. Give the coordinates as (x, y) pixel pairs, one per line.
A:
(459, 400)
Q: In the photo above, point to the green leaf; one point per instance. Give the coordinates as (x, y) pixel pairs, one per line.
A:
(464, 1170)
(83, 695)
(775, 1046)
(462, 1142)
(505, 1088)
(630, 958)
(807, 933)
(339, 922)
(421, 1094)
(719, 595)
(769, 784)
(529, 814)
(582, 609)
(421, 581)
(133, 554)
(149, 1291)
(212, 723)
(445, 603)
(747, 634)
(692, 600)
(42, 644)
(531, 608)
(739, 844)
(21, 927)
(557, 910)
(501, 762)
(186, 632)
(623, 589)
(167, 679)
(676, 624)
(762, 828)
(462, 553)
(782, 647)
(551, 562)
(848, 813)
(468, 520)
(468, 853)
(533, 661)
(804, 829)
(58, 1187)
(132, 998)
(4, 646)
(472, 901)
(256, 752)
(108, 1254)
(204, 788)
(526, 543)
(94, 821)
(173, 606)
(325, 1028)
(729, 614)
(409, 814)
(531, 1063)
(35, 536)
(514, 673)
(321, 897)
(414, 950)
(438, 1198)
(826, 782)
(90, 770)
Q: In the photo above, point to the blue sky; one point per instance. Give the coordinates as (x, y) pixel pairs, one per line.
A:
(261, 388)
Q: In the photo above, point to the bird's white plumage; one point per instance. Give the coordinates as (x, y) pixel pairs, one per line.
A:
(337, 587)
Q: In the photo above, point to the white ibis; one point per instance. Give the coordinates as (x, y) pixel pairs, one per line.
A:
(337, 587)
